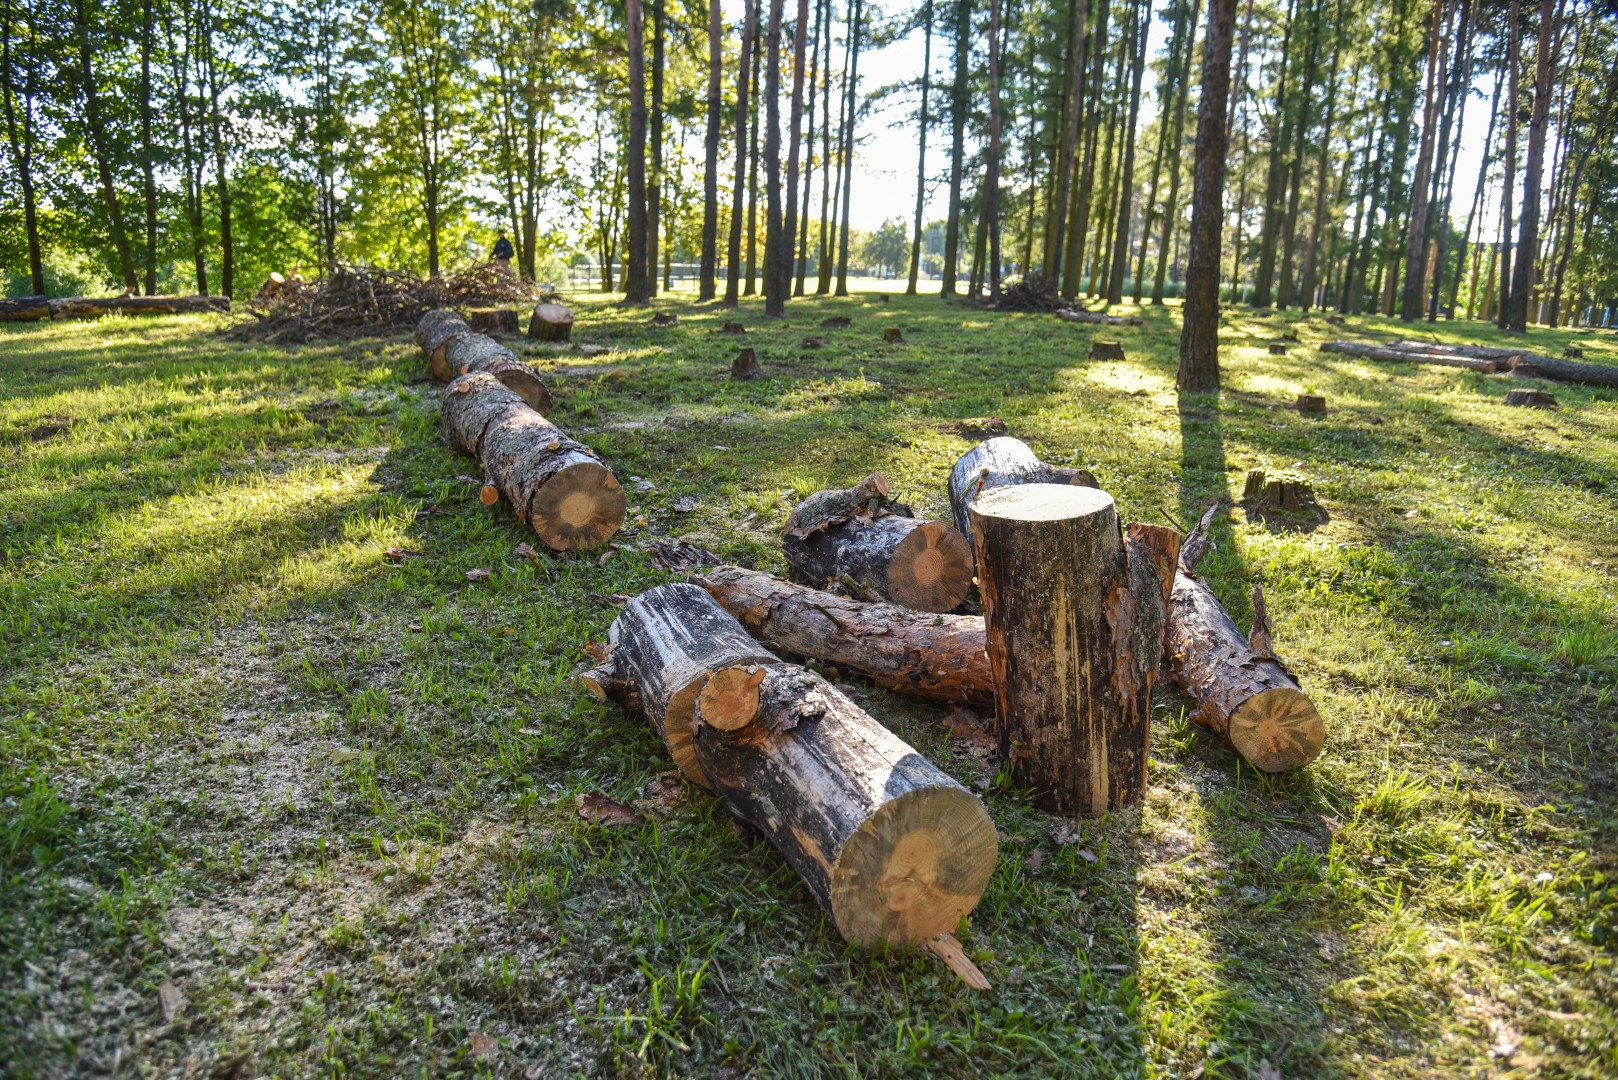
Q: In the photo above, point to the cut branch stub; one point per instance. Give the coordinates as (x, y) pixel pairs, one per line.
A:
(746, 366)
(667, 642)
(930, 657)
(434, 332)
(550, 322)
(1106, 350)
(922, 565)
(467, 353)
(1074, 625)
(1001, 462)
(892, 848)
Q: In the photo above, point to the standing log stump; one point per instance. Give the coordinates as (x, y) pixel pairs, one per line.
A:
(923, 656)
(661, 650)
(1311, 404)
(665, 318)
(893, 336)
(550, 322)
(921, 565)
(492, 320)
(814, 342)
(465, 354)
(560, 487)
(892, 849)
(434, 332)
(1538, 399)
(1263, 495)
(837, 322)
(746, 366)
(1336, 320)
(1106, 350)
(1572, 352)
(733, 328)
(1074, 619)
(1278, 348)
(1001, 462)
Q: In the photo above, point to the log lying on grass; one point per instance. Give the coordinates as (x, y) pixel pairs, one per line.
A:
(1002, 462)
(559, 486)
(660, 652)
(1244, 694)
(1096, 318)
(1568, 370)
(1391, 355)
(434, 331)
(892, 848)
(25, 309)
(1488, 358)
(34, 308)
(468, 353)
(1074, 619)
(929, 657)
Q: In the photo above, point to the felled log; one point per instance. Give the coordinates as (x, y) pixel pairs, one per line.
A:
(1244, 694)
(560, 487)
(921, 565)
(550, 322)
(928, 657)
(1388, 354)
(746, 366)
(468, 353)
(661, 649)
(1569, 370)
(492, 320)
(1096, 318)
(1533, 398)
(1074, 618)
(1001, 462)
(1106, 350)
(837, 322)
(25, 309)
(892, 848)
(434, 331)
(79, 307)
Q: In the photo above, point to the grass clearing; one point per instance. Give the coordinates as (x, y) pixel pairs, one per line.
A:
(273, 799)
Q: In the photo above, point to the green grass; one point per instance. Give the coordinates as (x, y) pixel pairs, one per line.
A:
(330, 798)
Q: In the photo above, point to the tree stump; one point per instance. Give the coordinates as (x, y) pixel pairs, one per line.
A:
(434, 331)
(1312, 404)
(837, 322)
(733, 328)
(1572, 352)
(894, 850)
(923, 656)
(560, 487)
(1001, 462)
(665, 318)
(1278, 348)
(921, 565)
(893, 336)
(746, 366)
(1534, 398)
(1074, 620)
(814, 342)
(465, 354)
(1106, 350)
(1262, 495)
(1336, 320)
(492, 320)
(550, 322)
(665, 644)
(1290, 336)
(885, 298)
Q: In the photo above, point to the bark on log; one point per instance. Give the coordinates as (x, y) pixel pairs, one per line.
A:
(467, 353)
(823, 509)
(922, 565)
(892, 848)
(1095, 318)
(666, 643)
(1397, 356)
(434, 332)
(25, 309)
(1001, 462)
(837, 322)
(550, 322)
(1074, 619)
(1569, 370)
(560, 487)
(79, 307)
(928, 657)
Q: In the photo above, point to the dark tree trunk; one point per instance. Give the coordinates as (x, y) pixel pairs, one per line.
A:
(1289, 226)
(1079, 224)
(787, 255)
(148, 167)
(637, 280)
(707, 286)
(21, 138)
(1166, 92)
(957, 162)
(1199, 337)
(774, 225)
(921, 146)
(1513, 97)
(809, 153)
(100, 148)
(1416, 247)
(1317, 221)
(991, 195)
(1142, 13)
(733, 268)
(1274, 180)
(654, 183)
(830, 191)
(1062, 196)
(216, 122)
(1522, 274)
(856, 28)
(751, 286)
(1454, 121)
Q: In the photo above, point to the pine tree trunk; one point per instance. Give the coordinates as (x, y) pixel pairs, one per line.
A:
(1126, 189)
(1416, 246)
(733, 268)
(957, 165)
(707, 285)
(856, 32)
(750, 288)
(991, 204)
(921, 146)
(809, 152)
(776, 243)
(1079, 224)
(637, 284)
(1522, 274)
(1199, 336)
(1513, 98)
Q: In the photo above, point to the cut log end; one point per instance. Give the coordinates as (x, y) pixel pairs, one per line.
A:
(529, 387)
(729, 700)
(931, 569)
(579, 508)
(1278, 730)
(914, 869)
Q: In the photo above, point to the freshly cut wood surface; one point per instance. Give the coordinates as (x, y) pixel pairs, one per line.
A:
(1001, 462)
(667, 642)
(466, 353)
(891, 847)
(929, 657)
(1074, 623)
(923, 565)
(550, 322)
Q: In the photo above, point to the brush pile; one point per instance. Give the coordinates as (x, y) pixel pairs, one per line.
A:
(1031, 293)
(355, 300)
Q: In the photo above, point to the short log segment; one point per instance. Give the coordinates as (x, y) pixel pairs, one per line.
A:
(1074, 623)
(550, 322)
(434, 332)
(467, 353)
(1001, 462)
(560, 487)
(893, 849)
(1106, 350)
(928, 657)
(922, 565)
(666, 643)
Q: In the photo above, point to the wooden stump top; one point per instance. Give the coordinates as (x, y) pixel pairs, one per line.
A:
(1041, 502)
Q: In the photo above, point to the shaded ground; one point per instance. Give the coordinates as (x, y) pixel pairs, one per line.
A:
(274, 802)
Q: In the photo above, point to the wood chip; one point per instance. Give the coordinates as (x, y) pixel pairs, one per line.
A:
(947, 949)
(482, 573)
(599, 809)
(483, 1045)
(171, 1001)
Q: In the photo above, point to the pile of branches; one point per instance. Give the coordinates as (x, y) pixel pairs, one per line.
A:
(355, 300)
(1031, 293)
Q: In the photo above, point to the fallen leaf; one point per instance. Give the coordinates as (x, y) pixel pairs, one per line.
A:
(686, 504)
(1036, 859)
(606, 555)
(1087, 855)
(721, 448)
(171, 1000)
(599, 809)
(465, 479)
(341, 755)
(1065, 834)
(1266, 1071)
(402, 554)
(480, 574)
(482, 1045)
(529, 731)
(527, 551)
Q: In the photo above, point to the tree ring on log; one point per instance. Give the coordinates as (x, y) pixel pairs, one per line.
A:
(929, 568)
(580, 506)
(1278, 730)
